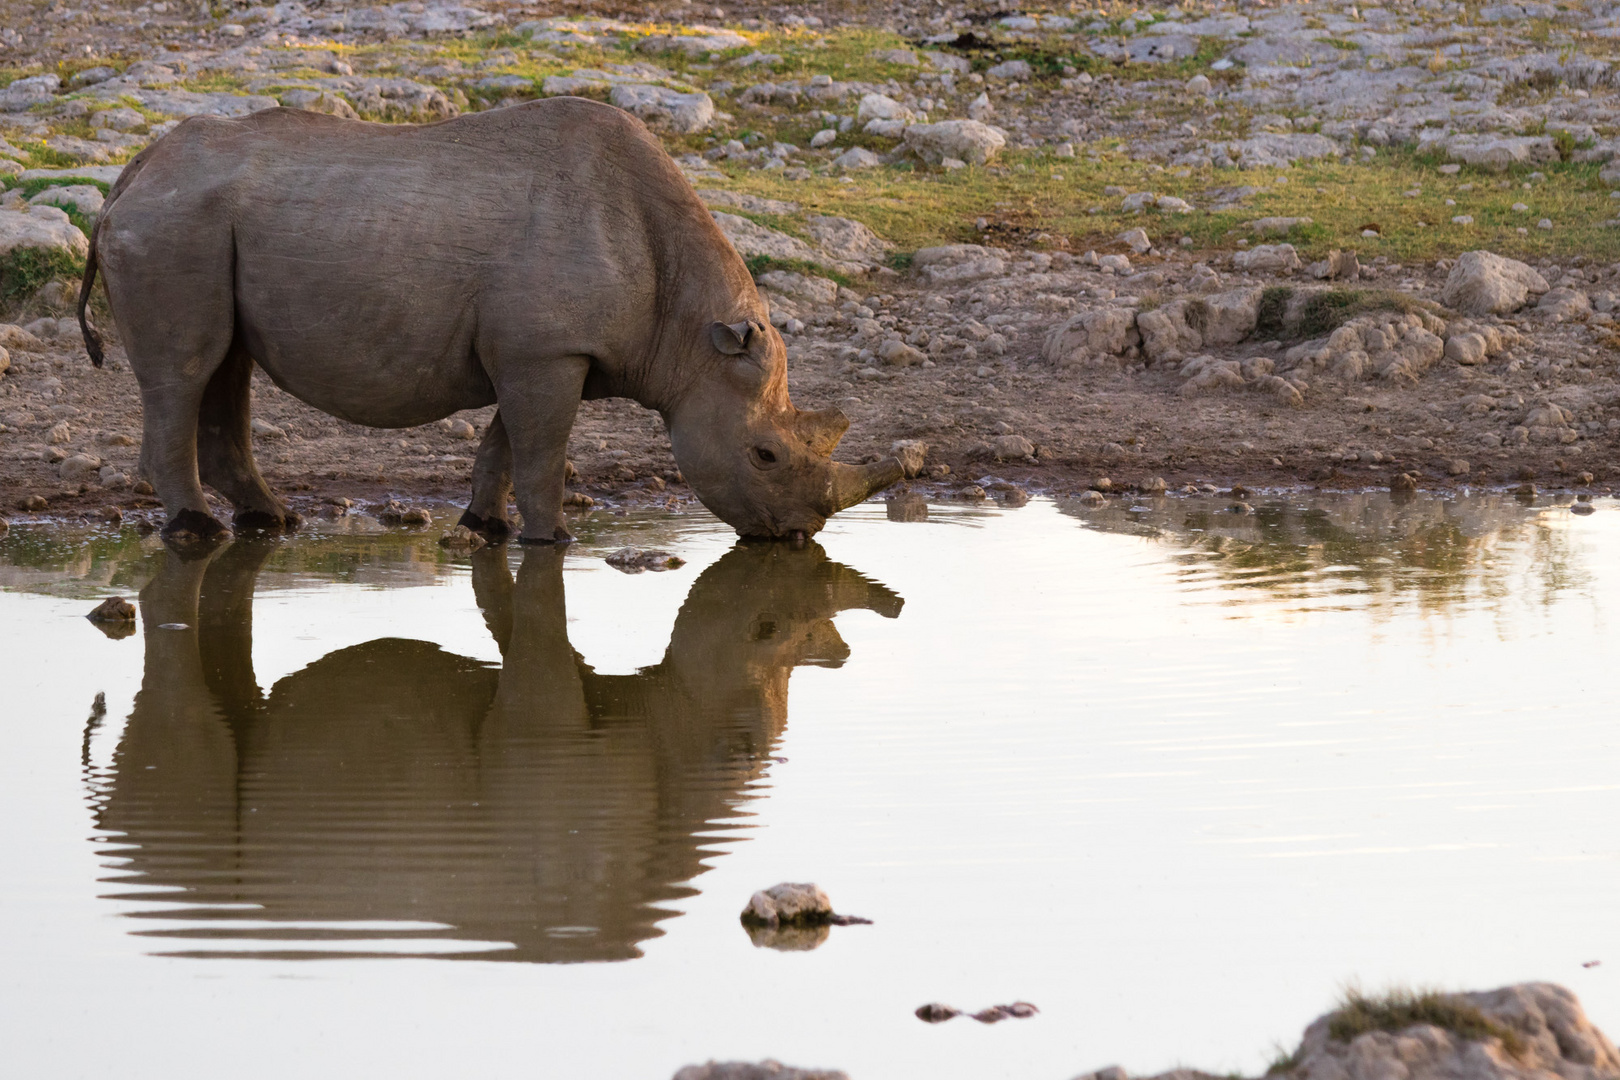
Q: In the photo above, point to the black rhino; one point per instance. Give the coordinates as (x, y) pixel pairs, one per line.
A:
(393, 274)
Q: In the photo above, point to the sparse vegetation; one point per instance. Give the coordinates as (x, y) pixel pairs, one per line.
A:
(24, 270)
(1397, 1010)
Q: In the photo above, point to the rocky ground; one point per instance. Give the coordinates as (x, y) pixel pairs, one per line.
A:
(1207, 244)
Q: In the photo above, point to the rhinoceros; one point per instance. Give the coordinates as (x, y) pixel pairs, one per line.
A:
(391, 275)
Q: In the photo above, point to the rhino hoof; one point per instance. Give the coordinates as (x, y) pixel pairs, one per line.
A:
(263, 521)
(493, 528)
(193, 527)
(559, 535)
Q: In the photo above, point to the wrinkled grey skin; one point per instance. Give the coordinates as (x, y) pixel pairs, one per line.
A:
(394, 274)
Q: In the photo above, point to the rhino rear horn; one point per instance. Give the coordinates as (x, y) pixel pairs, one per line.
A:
(733, 339)
(822, 429)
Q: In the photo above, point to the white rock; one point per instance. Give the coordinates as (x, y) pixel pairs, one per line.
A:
(1467, 349)
(1565, 305)
(1267, 259)
(812, 290)
(694, 41)
(82, 197)
(663, 108)
(980, 108)
(897, 353)
(824, 137)
(1169, 204)
(752, 240)
(1011, 69)
(1484, 283)
(1011, 448)
(1137, 240)
(789, 902)
(1276, 226)
(41, 228)
(122, 118)
(1094, 333)
(880, 107)
(79, 467)
(912, 454)
(857, 157)
(965, 140)
(847, 241)
(1199, 84)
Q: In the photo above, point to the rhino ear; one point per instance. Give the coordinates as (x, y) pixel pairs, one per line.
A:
(821, 430)
(732, 340)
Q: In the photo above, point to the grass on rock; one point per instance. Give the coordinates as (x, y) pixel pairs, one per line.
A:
(1397, 1010)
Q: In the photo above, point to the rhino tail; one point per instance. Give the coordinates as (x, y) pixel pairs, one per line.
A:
(92, 339)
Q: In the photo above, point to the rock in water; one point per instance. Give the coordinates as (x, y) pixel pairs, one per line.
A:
(907, 507)
(748, 1070)
(1529, 1030)
(461, 539)
(635, 560)
(1483, 283)
(934, 1013)
(789, 902)
(114, 609)
(1533, 1031)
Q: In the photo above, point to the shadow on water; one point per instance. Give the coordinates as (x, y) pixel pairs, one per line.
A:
(396, 799)
(1373, 549)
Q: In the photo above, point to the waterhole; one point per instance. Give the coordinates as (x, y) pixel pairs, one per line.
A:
(350, 805)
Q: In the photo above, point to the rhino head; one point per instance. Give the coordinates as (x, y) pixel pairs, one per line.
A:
(762, 466)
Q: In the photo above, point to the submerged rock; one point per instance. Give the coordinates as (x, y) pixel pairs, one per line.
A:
(748, 1070)
(634, 560)
(394, 512)
(1532, 1031)
(461, 539)
(935, 1013)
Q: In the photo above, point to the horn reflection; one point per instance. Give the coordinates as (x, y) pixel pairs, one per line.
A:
(396, 799)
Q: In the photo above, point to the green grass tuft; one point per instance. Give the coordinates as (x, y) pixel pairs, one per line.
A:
(1397, 1010)
(759, 264)
(1273, 311)
(26, 269)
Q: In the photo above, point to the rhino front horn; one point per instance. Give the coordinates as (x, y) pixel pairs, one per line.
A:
(852, 484)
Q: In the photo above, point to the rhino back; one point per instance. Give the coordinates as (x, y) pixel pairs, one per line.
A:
(382, 271)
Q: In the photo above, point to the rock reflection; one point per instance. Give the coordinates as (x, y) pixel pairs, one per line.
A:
(396, 799)
(1379, 547)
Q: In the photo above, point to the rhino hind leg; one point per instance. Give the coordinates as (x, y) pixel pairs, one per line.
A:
(492, 483)
(538, 402)
(225, 448)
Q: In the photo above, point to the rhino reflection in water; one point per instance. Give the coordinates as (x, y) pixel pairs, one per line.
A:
(538, 805)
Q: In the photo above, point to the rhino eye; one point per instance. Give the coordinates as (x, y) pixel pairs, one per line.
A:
(764, 455)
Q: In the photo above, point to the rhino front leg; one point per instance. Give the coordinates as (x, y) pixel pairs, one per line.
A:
(538, 403)
(492, 483)
(225, 447)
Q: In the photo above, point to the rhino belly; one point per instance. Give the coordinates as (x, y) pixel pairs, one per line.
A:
(361, 350)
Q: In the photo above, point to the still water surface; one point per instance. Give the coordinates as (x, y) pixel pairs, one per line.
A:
(348, 805)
